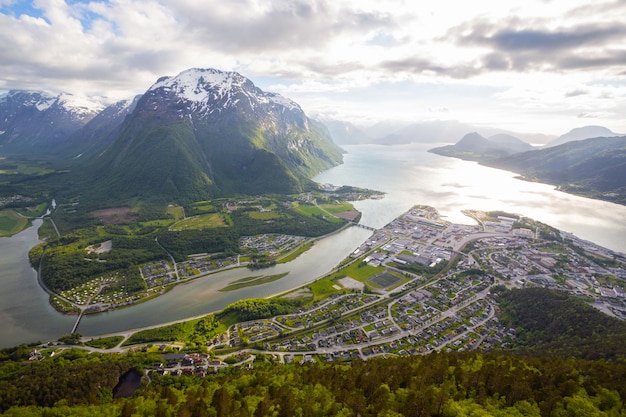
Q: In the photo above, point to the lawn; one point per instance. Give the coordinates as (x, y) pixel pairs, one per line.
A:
(323, 288)
(205, 221)
(11, 223)
(361, 272)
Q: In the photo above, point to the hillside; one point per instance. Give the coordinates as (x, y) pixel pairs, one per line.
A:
(474, 147)
(594, 167)
(205, 133)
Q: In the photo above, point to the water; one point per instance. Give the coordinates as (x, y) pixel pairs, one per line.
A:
(408, 175)
(25, 314)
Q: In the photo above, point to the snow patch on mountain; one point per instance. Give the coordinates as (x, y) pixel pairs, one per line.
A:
(196, 85)
(203, 87)
(80, 107)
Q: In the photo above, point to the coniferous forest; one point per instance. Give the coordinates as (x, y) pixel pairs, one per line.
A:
(568, 360)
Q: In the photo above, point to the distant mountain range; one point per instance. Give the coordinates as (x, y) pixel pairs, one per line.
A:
(400, 133)
(207, 133)
(35, 121)
(594, 167)
(200, 134)
(582, 133)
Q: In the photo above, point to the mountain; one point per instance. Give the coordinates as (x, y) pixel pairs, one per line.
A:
(37, 122)
(438, 131)
(474, 147)
(582, 133)
(593, 167)
(99, 132)
(206, 132)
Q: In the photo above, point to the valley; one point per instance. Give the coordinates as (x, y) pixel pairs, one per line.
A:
(420, 284)
(120, 261)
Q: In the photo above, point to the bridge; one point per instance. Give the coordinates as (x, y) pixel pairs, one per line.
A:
(363, 226)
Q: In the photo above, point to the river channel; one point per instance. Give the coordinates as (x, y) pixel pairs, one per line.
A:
(406, 173)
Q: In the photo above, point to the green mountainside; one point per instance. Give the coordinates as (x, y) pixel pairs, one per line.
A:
(226, 138)
(593, 167)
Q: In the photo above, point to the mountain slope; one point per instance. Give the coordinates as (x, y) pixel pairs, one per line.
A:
(582, 133)
(35, 122)
(474, 147)
(206, 132)
(593, 167)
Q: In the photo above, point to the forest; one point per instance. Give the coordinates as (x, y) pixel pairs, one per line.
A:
(453, 384)
(568, 360)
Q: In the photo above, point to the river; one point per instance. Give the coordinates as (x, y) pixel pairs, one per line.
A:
(406, 173)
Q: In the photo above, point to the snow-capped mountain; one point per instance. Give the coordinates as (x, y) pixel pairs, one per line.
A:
(39, 121)
(207, 93)
(206, 132)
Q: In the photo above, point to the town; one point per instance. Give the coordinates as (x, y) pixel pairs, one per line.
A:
(418, 285)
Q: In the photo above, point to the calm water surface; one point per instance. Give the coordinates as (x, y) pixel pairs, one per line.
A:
(407, 173)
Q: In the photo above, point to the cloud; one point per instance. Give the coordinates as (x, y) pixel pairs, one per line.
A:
(594, 115)
(521, 46)
(576, 92)
(247, 26)
(332, 54)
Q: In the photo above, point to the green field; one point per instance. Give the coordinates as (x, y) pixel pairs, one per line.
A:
(317, 211)
(337, 207)
(361, 272)
(203, 207)
(205, 221)
(177, 212)
(11, 223)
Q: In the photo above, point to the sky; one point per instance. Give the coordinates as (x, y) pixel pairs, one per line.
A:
(524, 65)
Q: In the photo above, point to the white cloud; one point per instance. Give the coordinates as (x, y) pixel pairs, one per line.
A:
(516, 62)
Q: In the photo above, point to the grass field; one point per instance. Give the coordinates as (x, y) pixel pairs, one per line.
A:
(323, 288)
(205, 221)
(337, 208)
(11, 223)
(361, 272)
(177, 212)
(317, 211)
(203, 206)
